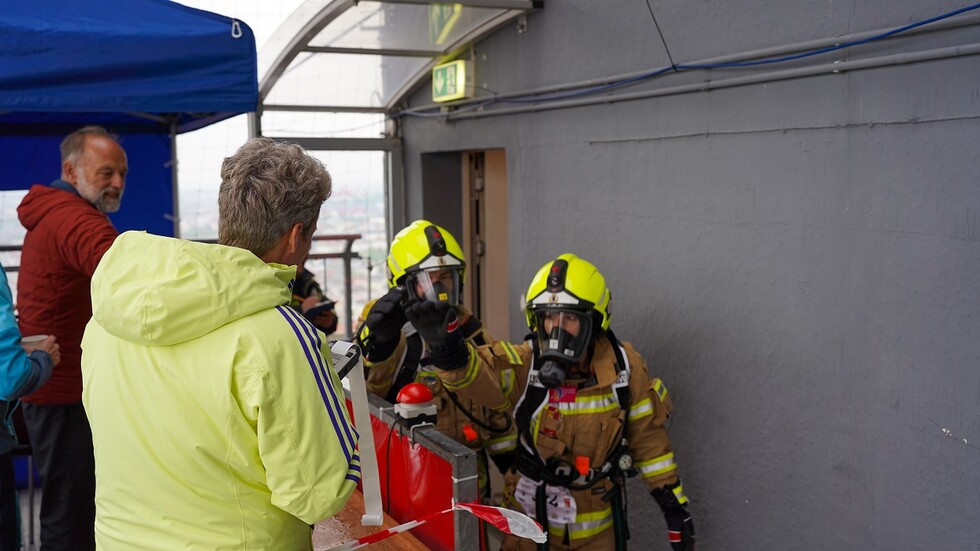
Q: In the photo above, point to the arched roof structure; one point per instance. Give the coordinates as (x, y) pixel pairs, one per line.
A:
(365, 56)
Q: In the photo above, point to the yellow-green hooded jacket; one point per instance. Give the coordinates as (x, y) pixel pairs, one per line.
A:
(218, 423)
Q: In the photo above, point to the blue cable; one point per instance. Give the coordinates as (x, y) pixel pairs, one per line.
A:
(467, 109)
(689, 66)
(830, 48)
(587, 91)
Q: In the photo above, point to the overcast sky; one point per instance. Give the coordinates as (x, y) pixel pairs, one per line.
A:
(200, 153)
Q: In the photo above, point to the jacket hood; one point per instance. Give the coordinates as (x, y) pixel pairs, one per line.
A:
(41, 201)
(161, 291)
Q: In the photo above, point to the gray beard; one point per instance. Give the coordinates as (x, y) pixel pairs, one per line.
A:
(98, 198)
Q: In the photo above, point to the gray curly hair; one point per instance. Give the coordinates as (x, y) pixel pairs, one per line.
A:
(266, 187)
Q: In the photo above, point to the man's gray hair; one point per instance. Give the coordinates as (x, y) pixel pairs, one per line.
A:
(266, 188)
(73, 145)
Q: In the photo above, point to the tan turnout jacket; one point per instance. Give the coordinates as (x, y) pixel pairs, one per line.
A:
(581, 427)
(451, 421)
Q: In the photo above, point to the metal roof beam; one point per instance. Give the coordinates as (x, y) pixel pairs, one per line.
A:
(298, 42)
(344, 144)
(494, 4)
(367, 51)
(321, 108)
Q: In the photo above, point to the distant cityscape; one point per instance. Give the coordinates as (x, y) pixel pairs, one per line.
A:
(355, 207)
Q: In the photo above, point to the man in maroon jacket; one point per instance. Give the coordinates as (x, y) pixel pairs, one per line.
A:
(67, 234)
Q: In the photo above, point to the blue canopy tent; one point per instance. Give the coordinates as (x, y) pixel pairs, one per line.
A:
(144, 69)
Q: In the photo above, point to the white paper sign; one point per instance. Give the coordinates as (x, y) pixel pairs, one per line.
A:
(561, 504)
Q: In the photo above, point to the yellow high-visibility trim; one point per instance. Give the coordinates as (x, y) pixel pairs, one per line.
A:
(590, 407)
(472, 370)
(657, 465)
(679, 494)
(426, 372)
(641, 409)
(596, 403)
(586, 525)
(658, 386)
(507, 380)
(512, 356)
(537, 428)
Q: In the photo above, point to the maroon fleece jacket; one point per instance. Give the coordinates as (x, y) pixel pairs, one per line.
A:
(66, 238)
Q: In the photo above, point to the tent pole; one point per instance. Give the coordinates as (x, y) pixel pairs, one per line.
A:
(173, 176)
(254, 124)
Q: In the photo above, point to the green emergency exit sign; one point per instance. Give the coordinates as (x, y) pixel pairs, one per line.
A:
(453, 80)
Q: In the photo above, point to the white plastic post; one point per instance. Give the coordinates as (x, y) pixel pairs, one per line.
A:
(343, 354)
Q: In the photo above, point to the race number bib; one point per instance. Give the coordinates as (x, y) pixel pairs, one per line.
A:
(561, 504)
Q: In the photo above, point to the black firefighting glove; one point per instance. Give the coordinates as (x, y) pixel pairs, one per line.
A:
(680, 527)
(384, 323)
(438, 325)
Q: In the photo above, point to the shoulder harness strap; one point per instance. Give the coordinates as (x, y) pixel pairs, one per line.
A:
(622, 384)
(535, 396)
(529, 404)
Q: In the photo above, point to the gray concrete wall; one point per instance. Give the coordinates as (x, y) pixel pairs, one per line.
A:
(798, 260)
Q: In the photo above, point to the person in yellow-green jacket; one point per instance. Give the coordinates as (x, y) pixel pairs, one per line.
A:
(587, 411)
(217, 418)
(425, 265)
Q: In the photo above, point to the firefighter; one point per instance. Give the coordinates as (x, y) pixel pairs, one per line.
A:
(587, 412)
(425, 265)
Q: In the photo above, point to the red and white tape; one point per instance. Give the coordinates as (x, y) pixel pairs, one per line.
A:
(506, 520)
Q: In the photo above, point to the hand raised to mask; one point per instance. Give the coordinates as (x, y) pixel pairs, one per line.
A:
(438, 325)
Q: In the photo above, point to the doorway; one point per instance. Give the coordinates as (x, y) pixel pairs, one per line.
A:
(485, 223)
(466, 193)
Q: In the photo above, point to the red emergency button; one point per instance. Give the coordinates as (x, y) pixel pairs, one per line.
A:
(414, 393)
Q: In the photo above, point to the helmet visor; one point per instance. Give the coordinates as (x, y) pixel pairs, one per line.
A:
(436, 284)
(563, 332)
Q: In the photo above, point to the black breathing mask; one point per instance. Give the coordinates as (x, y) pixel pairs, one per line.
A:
(552, 373)
(563, 337)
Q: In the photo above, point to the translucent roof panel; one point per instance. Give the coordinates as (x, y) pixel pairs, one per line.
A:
(353, 80)
(287, 32)
(313, 125)
(374, 25)
(367, 54)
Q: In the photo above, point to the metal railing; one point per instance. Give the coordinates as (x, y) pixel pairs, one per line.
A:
(10, 249)
(346, 255)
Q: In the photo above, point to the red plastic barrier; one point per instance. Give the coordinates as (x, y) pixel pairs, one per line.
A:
(421, 483)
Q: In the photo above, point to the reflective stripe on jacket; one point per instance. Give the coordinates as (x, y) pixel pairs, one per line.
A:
(587, 425)
(217, 418)
(450, 420)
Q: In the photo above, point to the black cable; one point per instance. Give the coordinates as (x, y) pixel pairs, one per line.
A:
(657, 25)
(477, 422)
(391, 428)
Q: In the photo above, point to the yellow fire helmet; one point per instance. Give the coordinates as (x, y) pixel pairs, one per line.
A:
(426, 259)
(567, 300)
